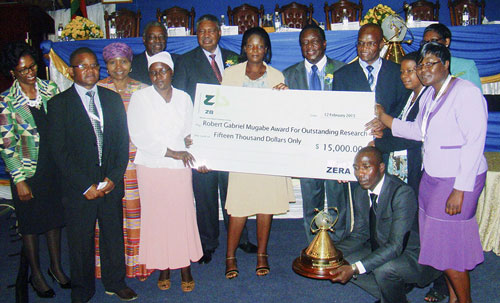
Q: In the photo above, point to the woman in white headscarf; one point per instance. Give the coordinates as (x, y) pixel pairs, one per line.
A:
(159, 120)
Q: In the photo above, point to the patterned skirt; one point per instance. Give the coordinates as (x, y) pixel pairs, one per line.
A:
(131, 224)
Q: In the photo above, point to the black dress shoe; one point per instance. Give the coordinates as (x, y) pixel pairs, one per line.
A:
(207, 257)
(248, 247)
(125, 294)
(66, 285)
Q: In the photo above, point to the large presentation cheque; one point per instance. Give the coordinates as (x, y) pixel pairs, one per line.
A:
(296, 133)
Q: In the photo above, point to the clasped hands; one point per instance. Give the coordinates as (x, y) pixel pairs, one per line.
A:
(342, 274)
(93, 193)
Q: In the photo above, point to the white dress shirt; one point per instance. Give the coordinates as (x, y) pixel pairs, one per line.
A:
(376, 68)
(321, 71)
(82, 92)
(218, 58)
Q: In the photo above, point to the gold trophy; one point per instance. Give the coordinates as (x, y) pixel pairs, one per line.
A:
(320, 257)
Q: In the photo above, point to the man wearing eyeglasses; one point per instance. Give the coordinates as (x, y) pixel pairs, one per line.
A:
(88, 135)
(154, 39)
(370, 73)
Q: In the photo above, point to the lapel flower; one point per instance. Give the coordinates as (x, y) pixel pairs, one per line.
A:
(231, 60)
(328, 74)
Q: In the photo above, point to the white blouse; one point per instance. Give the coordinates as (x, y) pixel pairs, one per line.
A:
(155, 125)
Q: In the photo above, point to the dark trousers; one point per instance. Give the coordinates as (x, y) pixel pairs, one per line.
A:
(81, 216)
(337, 195)
(387, 282)
(206, 189)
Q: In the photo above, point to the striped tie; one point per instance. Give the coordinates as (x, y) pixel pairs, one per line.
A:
(215, 68)
(96, 124)
(370, 76)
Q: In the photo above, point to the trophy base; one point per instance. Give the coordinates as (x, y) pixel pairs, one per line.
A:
(316, 268)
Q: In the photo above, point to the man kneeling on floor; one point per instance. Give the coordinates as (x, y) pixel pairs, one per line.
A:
(384, 245)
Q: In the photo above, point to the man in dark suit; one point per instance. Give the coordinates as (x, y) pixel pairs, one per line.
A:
(384, 245)
(89, 140)
(154, 39)
(315, 72)
(205, 64)
(372, 73)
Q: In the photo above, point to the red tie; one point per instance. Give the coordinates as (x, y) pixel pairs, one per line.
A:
(215, 68)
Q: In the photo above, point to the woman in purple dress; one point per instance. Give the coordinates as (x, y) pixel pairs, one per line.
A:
(452, 125)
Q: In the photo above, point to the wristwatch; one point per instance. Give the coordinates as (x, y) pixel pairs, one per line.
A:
(355, 271)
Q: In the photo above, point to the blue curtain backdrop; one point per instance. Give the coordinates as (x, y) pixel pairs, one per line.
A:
(479, 43)
(219, 7)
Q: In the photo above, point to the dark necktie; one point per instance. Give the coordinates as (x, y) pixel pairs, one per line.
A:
(370, 76)
(96, 124)
(215, 68)
(314, 83)
(373, 222)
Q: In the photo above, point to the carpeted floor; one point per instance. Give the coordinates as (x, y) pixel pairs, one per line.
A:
(281, 285)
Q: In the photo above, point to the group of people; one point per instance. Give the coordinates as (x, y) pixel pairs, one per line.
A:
(121, 145)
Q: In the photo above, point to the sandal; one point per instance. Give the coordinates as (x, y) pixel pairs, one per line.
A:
(164, 284)
(164, 280)
(434, 296)
(187, 286)
(231, 273)
(262, 270)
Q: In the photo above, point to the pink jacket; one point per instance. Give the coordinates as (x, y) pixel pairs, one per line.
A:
(456, 133)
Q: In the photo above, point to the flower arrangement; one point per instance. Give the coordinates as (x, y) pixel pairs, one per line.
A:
(377, 14)
(231, 60)
(81, 28)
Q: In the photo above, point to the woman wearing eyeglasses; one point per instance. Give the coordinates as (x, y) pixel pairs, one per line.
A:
(405, 156)
(159, 121)
(252, 194)
(452, 125)
(459, 67)
(24, 148)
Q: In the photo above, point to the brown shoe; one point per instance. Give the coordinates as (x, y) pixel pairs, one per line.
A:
(125, 294)
(187, 286)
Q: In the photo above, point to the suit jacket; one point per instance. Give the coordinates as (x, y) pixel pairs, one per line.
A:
(397, 225)
(389, 90)
(139, 70)
(74, 146)
(193, 67)
(456, 132)
(296, 75)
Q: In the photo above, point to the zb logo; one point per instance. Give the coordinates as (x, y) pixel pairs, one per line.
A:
(214, 101)
(208, 100)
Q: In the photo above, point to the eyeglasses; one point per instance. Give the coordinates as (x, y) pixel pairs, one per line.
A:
(86, 66)
(427, 65)
(161, 72)
(423, 42)
(370, 44)
(33, 67)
